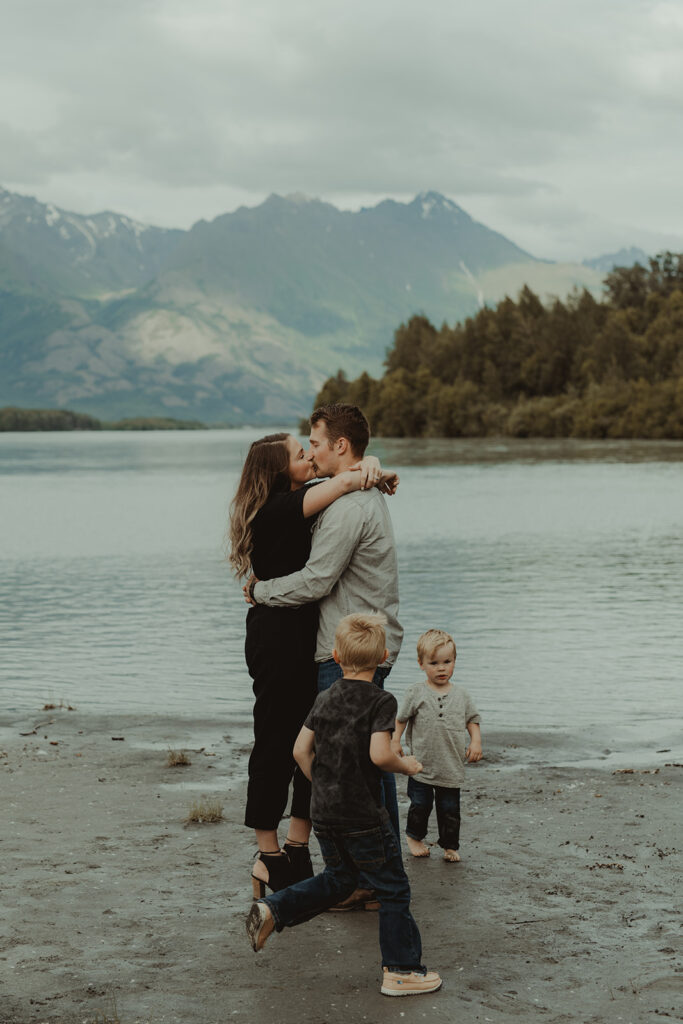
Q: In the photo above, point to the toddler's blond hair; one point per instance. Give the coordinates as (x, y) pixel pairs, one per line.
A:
(360, 641)
(430, 642)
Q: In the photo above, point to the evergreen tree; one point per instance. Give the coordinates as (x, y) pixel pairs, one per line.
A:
(578, 368)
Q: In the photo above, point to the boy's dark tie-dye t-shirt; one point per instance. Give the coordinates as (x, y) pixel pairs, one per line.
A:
(346, 784)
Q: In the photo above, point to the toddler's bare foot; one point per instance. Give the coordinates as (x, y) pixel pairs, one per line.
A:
(417, 847)
(451, 855)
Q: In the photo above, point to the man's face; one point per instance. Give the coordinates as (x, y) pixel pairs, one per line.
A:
(323, 455)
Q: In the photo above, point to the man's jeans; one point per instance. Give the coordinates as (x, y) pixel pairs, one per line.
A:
(329, 672)
(422, 798)
(347, 852)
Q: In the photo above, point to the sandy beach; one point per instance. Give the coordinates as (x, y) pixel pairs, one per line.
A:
(115, 908)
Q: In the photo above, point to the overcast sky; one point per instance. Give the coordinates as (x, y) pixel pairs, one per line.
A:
(558, 123)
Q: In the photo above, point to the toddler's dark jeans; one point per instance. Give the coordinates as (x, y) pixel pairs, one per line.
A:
(422, 799)
(348, 851)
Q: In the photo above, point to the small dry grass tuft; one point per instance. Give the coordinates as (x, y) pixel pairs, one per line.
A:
(105, 1016)
(109, 1014)
(55, 707)
(205, 811)
(176, 758)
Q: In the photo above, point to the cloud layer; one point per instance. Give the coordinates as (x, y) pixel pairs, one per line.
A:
(557, 124)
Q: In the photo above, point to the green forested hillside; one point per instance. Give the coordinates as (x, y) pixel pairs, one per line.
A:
(578, 368)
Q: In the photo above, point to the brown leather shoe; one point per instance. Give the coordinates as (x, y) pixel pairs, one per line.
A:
(360, 899)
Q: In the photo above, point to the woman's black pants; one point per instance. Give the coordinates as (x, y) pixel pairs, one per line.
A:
(279, 652)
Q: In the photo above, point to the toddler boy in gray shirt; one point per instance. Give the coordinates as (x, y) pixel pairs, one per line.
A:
(436, 714)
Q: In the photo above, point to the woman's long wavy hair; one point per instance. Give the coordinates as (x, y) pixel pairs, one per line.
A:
(265, 472)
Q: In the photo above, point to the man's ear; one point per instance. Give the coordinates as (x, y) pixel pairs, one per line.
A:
(342, 445)
(385, 655)
(335, 655)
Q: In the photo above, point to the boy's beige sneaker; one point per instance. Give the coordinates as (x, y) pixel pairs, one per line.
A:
(413, 984)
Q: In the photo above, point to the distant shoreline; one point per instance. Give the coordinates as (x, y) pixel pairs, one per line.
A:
(15, 420)
(22, 420)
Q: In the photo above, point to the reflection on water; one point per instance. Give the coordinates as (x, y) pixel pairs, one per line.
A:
(464, 451)
(557, 564)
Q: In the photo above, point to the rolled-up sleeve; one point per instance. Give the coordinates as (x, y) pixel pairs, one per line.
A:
(334, 540)
(471, 713)
(408, 706)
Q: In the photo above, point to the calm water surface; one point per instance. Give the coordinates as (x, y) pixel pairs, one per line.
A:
(557, 565)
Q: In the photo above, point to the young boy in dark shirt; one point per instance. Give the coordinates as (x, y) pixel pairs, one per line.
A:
(343, 745)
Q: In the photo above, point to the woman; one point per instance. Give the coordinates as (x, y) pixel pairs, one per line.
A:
(270, 534)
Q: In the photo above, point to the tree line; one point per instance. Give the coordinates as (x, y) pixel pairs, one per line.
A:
(574, 368)
(12, 418)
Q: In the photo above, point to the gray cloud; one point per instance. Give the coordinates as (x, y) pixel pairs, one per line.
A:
(556, 123)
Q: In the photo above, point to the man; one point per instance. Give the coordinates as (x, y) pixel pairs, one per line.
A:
(352, 567)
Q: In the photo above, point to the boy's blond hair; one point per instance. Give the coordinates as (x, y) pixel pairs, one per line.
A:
(360, 641)
(430, 642)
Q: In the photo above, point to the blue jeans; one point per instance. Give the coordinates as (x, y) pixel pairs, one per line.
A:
(347, 852)
(422, 799)
(329, 672)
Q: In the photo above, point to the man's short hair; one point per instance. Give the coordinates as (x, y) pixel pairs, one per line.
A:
(344, 420)
(360, 641)
(430, 642)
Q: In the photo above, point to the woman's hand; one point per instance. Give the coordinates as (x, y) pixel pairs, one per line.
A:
(370, 472)
(372, 475)
(248, 589)
(397, 748)
(388, 482)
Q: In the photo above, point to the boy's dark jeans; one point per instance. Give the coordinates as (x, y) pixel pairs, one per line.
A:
(422, 799)
(347, 852)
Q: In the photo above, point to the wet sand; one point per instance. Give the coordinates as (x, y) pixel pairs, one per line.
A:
(562, 909)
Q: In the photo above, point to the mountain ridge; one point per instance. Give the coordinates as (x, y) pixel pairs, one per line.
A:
(237, 318)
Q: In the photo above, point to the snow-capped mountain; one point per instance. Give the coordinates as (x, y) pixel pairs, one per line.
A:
(623, 258)
(240, 318)
(68, 253)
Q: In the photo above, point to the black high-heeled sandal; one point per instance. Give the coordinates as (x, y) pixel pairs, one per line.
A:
(300, 859)
(279, 873)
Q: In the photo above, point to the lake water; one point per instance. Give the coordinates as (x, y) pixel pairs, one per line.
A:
(558, 566)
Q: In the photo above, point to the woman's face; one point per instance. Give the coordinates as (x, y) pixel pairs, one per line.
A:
(300, 466)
